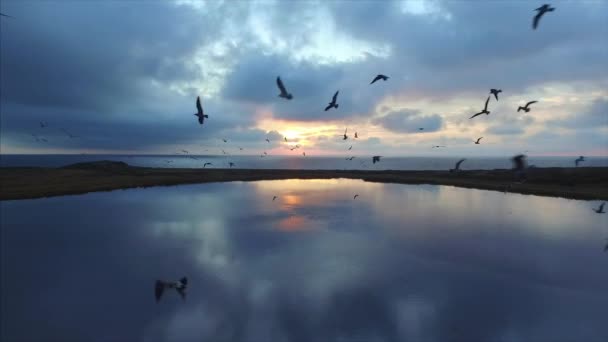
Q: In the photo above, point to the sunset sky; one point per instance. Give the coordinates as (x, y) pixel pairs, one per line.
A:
(123, 76)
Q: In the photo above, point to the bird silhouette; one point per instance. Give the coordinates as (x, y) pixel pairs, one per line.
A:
(231, 164)
(224, 140)
(600, 209)
(578, 160)
(345, 136)
(376, 159)
(274, 197)
(437, 146)
(205, 165)
(495, 93)
(284, 94)
(180, 286)
(200, 114)
(541, 11)
(484, 111)
(379, 77)
(268, 141)
(285, 139)
(357, 195)
(304, 154)
(185, 151)
(351, 158)
(356, 135)
(421, 129)
(43, 124)
(457, 166)
(350, 148)
(4, 15)
(526, 107)
(477, 142)
(333, 103)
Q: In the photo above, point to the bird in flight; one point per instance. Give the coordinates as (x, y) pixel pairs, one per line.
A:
(541, 11)
(437, 146)
(265, 153)
(8, 16)
(477, 142)
(351, 158)
(600, 209)
(578, 160)
(356, 135)
(284, 94)
(357, 195)
(484, 111)
(350, 148)
(457, 166)
(43, 124)
(345, 136)
(379, 77)
(274, 197)
(231, 164)
(268, 141)
(421, 129)
(180, 286)
(495, 93)
(240, 148)
(376, 159)
(185, 152)
(205, 165)
(333, 103)
(526, 107)
(285, 139)
(168, 161)
(224, 140)
(199, 111)
(72, 136)
(304, 154)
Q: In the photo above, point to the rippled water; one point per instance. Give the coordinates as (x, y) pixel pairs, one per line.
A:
(399, 263)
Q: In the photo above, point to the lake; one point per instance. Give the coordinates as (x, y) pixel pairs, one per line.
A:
(398, 263)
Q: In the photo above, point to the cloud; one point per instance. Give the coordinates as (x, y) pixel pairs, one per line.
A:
(409, 121)
(595, 116)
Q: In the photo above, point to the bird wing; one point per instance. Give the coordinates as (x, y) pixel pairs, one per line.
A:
(479, 139)
(602, 206)
(335, 98)
(486, 106)
(537, 18)
(477, 114)
(158, 289)
(376, 78)
(459, 162)
(198, 105)
(328, 107)
(4, 15)
(529, 103)
(281, 86)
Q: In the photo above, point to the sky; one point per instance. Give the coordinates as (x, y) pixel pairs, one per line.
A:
(122, 77)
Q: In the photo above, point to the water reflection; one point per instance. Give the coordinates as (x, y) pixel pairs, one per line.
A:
(422, 263)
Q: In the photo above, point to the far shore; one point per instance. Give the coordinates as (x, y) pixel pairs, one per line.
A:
(585, 183)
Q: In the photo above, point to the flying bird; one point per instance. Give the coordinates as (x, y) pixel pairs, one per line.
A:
(265, 153)
(304, 154)
(421, 129)
(345, 136)
(379, 77)
(541, 11)
(284, 94)
(268, 141)
(285, 139)
(199, 111)
(240, 148)
(519, 166)
(457, 166)
(43, 124)
(72, 136)
(333, 103)
(477, 142)
(274, 197)
(185, 152)
(350, 148)
(180, 286)
(205, 165)
(224, 140)
(356, 135)
(351, 158)
(437, 146)
(231, 164)
(357, 195)
(495, 93)
(578, 160)
(525, 108)
(8, 16)
(600, 209)
(484, 111)
(376, 159)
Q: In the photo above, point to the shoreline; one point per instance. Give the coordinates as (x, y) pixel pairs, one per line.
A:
(584, 183)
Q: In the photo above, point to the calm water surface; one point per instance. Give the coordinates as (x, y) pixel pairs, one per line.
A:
(399, 263)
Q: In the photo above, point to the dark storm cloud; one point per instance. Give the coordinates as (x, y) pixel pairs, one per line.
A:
(409, 121)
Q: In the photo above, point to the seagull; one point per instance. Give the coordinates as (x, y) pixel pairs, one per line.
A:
(541, 11)
(525, 108)
(495, 92)
(304, 154)
(43, 124)
(265, 153)
(273, 198)
(600, 209)
(345, 136)
(224, 140)
(205, 165)
(437, 146)
(180, 286)
(333, 103)
(293, 148)
(356, 135)
(168, 161)
(185, 152)
(484, 111)
(231, 164)
(285, 139)
(69, 134)
(376, 159)
(421, 129)
(284, 94)
(350, 148)
(240, 148)
(351, 158)
(357, 195)
(477, 142)
(268, 141)
(201, 115)
(457, 166)
(379, 77)
(519, 166)
(8, 16)
(578, 160)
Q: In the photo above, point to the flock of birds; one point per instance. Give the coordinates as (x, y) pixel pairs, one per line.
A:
(519, 161)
